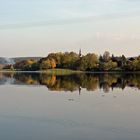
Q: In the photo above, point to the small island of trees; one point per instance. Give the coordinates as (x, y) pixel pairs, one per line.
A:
(78, 62)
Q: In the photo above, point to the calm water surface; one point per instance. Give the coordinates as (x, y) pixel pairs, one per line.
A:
(74, 107)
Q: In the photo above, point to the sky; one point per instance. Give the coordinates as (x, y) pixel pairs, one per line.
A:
(38, 27)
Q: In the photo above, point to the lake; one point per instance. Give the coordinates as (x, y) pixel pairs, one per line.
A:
(37, 106)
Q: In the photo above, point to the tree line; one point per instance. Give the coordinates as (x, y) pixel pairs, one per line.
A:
(75, 61)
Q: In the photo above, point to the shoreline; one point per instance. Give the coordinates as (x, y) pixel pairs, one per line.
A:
(67, 71)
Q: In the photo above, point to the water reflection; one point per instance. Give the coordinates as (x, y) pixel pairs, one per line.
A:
(90, 82)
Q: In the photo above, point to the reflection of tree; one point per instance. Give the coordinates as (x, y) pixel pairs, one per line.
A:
(26, 78)
(48, 80)
(106, 81)
(90, 82)
(7, 74)
(65, 83)
(133, 81)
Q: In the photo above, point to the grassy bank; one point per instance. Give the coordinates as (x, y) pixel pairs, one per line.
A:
(49, 71)
(66, 71)
(60, 71)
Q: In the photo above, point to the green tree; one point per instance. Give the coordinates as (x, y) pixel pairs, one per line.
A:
(68, 60)
(106, 56)
(88, 62)
(110, 65)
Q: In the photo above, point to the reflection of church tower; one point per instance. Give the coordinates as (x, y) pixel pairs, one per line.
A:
(79, 90)
(80, 53)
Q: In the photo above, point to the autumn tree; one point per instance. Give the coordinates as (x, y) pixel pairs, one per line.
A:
(47, 64)
(24, 64)
(56, 57)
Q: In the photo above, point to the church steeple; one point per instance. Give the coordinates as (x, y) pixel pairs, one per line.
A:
(80, 53)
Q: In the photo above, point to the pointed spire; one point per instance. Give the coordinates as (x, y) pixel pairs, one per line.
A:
(80, 53)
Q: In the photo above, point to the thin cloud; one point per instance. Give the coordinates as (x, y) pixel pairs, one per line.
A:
(70, 21)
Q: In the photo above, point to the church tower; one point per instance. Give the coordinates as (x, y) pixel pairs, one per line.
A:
(80, 53)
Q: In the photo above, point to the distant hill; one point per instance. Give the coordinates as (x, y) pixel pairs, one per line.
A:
(8, 61)
(17, 59)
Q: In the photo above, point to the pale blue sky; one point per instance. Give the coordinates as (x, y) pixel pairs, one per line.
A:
(37, 27)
